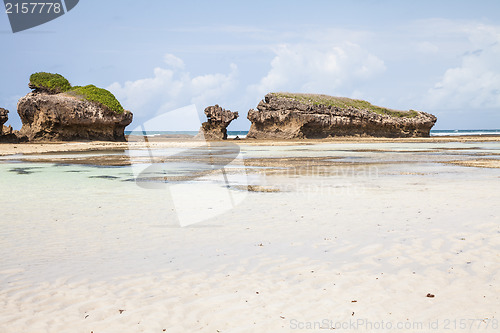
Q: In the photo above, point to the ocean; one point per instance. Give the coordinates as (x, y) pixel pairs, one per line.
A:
(243, 134)
(465, 132)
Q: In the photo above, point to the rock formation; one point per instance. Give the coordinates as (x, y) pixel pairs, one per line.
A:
(217, 121)
(4, 116)
(56, 111)
(6, 132)
(63, 117)
(288, 116)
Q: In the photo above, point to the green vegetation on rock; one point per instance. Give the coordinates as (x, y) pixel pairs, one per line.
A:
(51, 83)
(56, 83)
(344, 102)
(99, 95)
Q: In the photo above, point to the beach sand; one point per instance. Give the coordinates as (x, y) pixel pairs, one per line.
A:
(356, 235)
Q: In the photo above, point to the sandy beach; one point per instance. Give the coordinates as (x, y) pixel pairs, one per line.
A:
(352, 234)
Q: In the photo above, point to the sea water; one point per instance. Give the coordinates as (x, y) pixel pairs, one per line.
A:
(243, 134)
(230, 134)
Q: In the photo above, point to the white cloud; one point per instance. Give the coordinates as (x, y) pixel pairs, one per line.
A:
(173, 61)
(170, 89)
(319, 69)
(476, 82)
(426, 47)
(186, 118)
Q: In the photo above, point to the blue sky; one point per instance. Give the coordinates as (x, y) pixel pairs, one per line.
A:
(440, 57)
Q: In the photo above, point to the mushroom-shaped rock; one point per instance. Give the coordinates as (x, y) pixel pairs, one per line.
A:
(55, 111)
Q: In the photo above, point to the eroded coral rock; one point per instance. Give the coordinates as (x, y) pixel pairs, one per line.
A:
(215, 128)
(64, 117)
(289, 116)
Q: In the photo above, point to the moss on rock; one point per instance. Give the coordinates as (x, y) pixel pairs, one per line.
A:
(56, 83)
(344, 102)
(99, 95)
(49, 83)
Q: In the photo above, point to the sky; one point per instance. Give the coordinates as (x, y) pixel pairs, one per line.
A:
(159, 56)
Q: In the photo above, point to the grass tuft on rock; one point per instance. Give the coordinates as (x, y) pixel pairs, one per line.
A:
(56, 83)
(99, 95)
(48, 82)
(344, 102)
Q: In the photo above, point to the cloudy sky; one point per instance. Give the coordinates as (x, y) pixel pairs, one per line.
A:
(156, 56)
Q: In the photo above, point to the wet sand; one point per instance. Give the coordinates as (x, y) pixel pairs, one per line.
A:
(137, 142)
(212, 152)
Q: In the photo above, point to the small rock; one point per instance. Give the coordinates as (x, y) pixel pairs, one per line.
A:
(217, 121)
